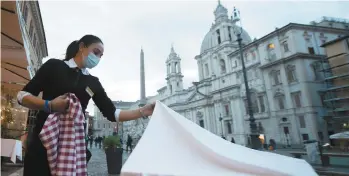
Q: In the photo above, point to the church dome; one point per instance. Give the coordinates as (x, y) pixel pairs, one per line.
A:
(225, 30)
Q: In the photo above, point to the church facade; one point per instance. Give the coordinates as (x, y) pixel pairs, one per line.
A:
(284, 80)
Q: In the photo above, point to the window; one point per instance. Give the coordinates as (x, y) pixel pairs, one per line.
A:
(317, 70)
(31, 28)
(229, 32)
(34, 41)
(311, 50)
(176, 70)
(233, 63)
(228, 124)
(177, 84)
(286, 130)
(285, 45)
(271, 51)
(261, 103)
(227, 109)
(271, 46)
(280, 100)
(301, 121)
(201, 123)
(222, 64)
(254, 101)
(253, 55)
(305, 137)
(25, 12)
(218, 36)
(296, 96)
(276, 77)
(206, 70)
(291, 73)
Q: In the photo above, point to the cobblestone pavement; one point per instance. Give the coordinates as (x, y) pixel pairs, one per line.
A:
(98, 163)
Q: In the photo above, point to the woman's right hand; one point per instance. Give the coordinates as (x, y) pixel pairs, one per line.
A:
(60, 104)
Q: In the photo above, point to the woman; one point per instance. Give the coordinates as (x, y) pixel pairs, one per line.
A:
(55, 78)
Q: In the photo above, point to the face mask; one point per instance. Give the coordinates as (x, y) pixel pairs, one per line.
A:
(91, 61)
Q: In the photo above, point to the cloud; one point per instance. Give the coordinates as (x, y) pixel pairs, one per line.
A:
(125, 26)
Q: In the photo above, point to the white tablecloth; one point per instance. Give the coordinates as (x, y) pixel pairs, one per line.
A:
(11, 148)
(173, 145)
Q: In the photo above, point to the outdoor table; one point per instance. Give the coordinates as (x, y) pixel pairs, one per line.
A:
(11, 148)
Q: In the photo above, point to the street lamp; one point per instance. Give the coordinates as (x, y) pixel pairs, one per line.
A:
(255, 143)
(221, 120)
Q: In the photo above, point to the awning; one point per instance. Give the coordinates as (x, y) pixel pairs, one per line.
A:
(342, 135)
(14, 73)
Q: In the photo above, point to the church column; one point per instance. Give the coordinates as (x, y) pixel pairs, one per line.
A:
(213, 118)
(207, 119)
(224, 32)
(200, 70)
(218, 123)
(179, 67)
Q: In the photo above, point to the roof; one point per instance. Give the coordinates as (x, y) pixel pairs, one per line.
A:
(335, 40)
(286, 28)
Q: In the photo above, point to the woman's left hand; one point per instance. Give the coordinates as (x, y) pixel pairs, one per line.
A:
(148, 109)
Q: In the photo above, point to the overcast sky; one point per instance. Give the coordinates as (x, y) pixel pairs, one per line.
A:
(126, 26)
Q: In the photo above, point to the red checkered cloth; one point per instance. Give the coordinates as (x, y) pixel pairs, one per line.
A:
(63, 136)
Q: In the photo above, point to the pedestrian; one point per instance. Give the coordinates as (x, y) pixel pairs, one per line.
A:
(129, 143)
(96, 141)
(100, 142)
(232, 140)
(56, 78)
(91, 141)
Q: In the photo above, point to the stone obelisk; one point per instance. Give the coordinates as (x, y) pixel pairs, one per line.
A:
(143, 100)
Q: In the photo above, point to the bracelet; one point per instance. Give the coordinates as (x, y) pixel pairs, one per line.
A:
(46, 107)
(142, 115)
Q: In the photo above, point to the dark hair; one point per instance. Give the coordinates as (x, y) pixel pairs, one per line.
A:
(73, 48)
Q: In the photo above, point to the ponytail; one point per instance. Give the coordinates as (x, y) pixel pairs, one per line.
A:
(72, 50)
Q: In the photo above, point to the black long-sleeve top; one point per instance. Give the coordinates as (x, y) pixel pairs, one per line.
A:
(55, 78)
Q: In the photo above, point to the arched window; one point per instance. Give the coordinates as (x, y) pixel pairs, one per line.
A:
(222, 65)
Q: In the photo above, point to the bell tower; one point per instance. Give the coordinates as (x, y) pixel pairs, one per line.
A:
(174, 74)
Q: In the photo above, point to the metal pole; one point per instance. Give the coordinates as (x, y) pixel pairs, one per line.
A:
(255, 143)
(221, 120)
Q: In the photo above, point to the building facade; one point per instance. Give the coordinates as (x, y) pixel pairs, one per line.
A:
(281, 73)
(103, 127)
(33, 34)
(335, 96)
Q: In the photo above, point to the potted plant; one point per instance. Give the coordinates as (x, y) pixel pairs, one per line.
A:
(113, 151)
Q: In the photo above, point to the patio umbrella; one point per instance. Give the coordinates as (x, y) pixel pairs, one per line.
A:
(341, 135)
(14, 63)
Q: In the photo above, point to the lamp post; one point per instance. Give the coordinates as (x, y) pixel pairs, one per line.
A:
(255, 143)
(221, 120)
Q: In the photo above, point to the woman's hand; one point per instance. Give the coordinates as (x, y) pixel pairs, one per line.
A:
(148, 109)
(60, 104)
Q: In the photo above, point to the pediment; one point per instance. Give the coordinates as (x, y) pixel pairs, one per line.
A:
(194, 96)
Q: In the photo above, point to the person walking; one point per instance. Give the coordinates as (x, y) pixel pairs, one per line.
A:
(129, 143)
(91, 141)
(56, 78)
